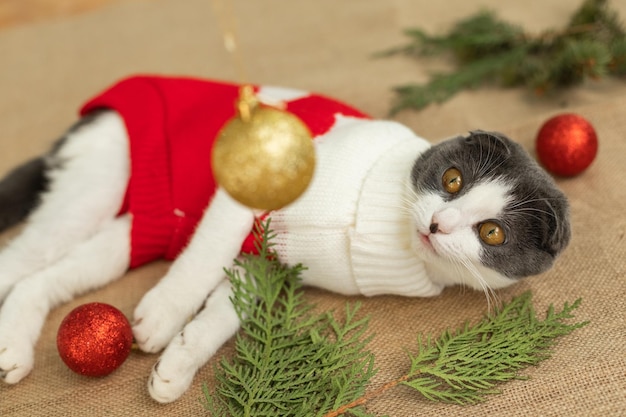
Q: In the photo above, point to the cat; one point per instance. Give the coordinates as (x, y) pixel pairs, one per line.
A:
(385, 213)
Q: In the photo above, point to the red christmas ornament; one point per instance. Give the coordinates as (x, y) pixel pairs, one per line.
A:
(567, 144)
(94, 339)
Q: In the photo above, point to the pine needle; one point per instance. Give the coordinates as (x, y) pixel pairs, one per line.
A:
(492, 51)
(290, 361)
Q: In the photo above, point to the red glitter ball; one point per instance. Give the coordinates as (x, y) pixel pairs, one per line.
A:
(567, 144)
(94, 339)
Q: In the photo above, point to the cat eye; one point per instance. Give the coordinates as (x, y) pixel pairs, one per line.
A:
(491, 233)
(452, 180)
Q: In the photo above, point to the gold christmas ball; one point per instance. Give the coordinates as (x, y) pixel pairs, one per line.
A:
(265, 160)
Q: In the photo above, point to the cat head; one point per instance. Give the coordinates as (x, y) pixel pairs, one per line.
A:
(485, 214)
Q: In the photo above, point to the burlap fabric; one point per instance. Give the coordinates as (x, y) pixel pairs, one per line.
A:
(47, 69)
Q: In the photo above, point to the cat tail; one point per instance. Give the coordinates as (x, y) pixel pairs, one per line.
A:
(20, 191)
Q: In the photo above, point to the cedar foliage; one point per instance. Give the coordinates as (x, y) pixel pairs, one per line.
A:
(292, 361)
(465, 365)
(489, 50)
(289, 361)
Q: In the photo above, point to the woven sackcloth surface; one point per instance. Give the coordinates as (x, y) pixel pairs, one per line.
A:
(48, 67)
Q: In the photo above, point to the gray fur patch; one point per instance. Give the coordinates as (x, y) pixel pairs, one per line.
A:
(536, 220)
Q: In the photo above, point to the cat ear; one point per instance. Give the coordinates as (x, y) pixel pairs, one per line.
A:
(491, 139)
(558, 234)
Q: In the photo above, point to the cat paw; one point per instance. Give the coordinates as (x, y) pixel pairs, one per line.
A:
(173, 373)
(15, 362)
(156, 321)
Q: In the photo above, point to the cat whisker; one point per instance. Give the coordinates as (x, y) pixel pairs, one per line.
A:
(484, 164)
(460, 268)
(533, 212)
(490, 295)
(524, 200)
(491, 167)
(530, 212)
(521, 206)
(487, 165)
(406, 203)
(527, 210)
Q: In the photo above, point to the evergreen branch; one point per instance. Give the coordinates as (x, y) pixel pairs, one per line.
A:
(288, 360)
(443, 86)
(488, 50)
(464, 366)
(292, 362)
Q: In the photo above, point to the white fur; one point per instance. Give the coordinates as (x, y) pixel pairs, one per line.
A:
(82, 269)
(198, 270)
(60, 254)
(191, 348)
(88, 192)
(276, 96)
(457, 239)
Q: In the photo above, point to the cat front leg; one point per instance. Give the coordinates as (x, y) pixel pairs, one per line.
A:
(194, 346)
(92, 264)
(217, 241)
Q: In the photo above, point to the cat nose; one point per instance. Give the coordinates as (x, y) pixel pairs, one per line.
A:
(445, 221)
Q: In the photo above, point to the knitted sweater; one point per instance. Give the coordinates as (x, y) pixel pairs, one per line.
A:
(172, 124)
(348, 228)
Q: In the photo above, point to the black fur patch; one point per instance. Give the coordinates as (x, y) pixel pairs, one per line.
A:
(21, 188)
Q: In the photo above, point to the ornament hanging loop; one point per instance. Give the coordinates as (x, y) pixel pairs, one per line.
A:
(246, 103)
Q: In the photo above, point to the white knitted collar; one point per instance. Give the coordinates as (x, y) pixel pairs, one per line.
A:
(383, 261)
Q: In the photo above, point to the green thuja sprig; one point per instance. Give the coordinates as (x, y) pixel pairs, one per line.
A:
(490, 50)
(291, 361)
(464, 366)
